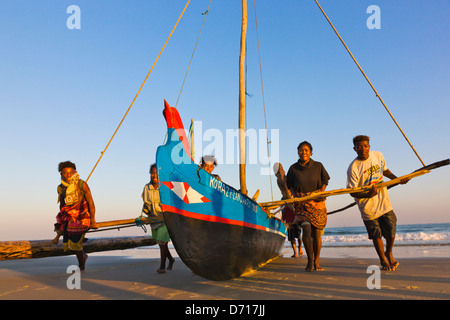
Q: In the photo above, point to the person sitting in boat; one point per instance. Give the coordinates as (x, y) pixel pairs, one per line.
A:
(368, 168)
(209, 163)
(303, 178)
(288, 212)
(77, 211)
(152, 207)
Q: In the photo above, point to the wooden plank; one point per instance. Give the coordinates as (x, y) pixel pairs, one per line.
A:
(10, 250)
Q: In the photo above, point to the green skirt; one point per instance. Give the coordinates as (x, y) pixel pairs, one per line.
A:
(161, 234)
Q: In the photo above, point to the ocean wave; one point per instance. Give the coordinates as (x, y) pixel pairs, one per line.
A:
(416, 238)
(419, 234)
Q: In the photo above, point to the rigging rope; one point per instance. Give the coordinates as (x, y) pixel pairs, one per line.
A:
(154, 63)
(192, 56)
(140, 223)
(373, 88)
(264, 103)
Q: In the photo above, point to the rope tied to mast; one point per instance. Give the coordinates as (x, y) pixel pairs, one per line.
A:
(268, 142)
(193, 52)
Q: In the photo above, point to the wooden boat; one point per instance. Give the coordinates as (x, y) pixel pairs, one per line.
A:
(218, 232)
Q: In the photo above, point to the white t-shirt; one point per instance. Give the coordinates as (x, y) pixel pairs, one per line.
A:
(368, 172)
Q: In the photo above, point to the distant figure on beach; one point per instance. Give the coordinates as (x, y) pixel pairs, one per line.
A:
(288, 212)
(368, 168)
(303, 178)
(77, 211)
(152, 208)
(294, 230)
(209, 163)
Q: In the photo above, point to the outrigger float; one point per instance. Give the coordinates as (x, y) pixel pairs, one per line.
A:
(10, 250)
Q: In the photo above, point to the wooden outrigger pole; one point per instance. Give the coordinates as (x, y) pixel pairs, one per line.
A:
(118, 223)
(325, 194)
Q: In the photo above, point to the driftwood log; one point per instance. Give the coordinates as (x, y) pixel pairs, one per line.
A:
(10, 250)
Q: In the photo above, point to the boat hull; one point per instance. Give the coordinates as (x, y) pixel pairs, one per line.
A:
(219, 251)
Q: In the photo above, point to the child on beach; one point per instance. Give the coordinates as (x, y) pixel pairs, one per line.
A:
(152, 207)
(77, 211)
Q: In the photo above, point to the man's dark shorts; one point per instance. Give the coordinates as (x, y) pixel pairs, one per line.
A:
(382, 226)
(294, 232)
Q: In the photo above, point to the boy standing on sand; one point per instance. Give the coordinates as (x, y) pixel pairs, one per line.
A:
(152, 208)
(368, 168)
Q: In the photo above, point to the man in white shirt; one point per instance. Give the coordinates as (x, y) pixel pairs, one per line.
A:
(368, 168)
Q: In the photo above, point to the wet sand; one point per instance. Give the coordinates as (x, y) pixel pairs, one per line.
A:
(131, 274)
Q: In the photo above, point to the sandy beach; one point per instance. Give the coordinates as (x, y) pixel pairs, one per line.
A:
(131, 275)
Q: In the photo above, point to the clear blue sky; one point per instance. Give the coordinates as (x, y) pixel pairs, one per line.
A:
(63, 93)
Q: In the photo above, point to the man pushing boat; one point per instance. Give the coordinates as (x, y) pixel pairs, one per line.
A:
(368, 168)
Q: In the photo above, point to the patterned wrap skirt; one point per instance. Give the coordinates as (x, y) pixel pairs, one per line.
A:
(313, 211)
(75, 221)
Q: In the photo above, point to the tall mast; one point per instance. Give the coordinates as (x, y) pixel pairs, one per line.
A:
(242, 99)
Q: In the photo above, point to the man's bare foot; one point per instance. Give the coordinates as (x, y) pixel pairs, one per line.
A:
(171, 262)
(318, 268)
(300, 252)
(83, 266)
(394, 263)
(294, 255)
(385, 265)
(309, 266)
